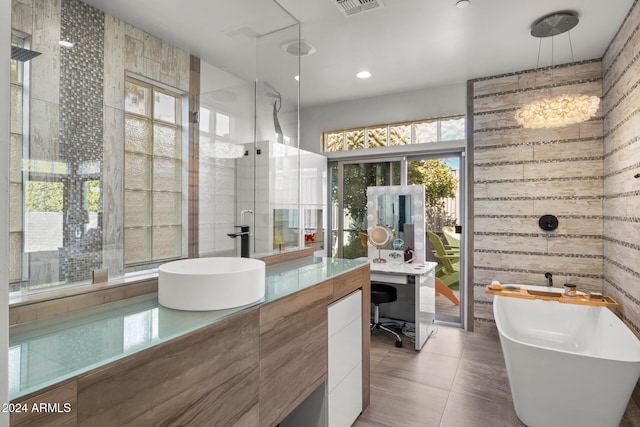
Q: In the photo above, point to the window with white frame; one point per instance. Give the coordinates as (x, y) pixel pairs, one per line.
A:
(152, 174)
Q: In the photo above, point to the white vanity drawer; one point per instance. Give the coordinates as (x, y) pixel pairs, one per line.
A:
(344, 311)
(345, 401)
(345, 352)
(398, 279)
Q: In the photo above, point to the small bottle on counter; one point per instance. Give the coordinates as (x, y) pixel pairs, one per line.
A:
(570, 290)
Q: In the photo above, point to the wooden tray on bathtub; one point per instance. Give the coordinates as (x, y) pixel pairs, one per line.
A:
(606, 301)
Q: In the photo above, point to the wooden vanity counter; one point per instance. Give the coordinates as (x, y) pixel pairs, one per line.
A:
(251, 367)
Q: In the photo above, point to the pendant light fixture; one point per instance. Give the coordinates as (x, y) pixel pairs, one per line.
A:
(565, 109)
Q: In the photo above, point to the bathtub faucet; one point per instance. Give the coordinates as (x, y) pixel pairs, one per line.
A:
(549, 278)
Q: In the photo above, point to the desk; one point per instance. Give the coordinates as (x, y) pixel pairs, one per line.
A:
(416, 295)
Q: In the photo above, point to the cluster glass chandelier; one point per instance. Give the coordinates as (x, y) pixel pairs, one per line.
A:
(226, 150)
(565, 109)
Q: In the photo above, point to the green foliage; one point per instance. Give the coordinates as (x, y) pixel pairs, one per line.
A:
(93, 195)
(353, 249)
(356, 180)
(439, 183)
(44, 196)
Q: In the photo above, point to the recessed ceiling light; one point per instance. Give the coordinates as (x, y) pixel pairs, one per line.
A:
(363, 75)
(461, 4)
(297, 78)
(64, 43)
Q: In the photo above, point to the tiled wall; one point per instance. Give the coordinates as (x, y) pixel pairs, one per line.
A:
(621, 107)
(520, 174)
(80, 139)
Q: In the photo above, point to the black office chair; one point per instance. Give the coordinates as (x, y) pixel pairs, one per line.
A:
(380, 294)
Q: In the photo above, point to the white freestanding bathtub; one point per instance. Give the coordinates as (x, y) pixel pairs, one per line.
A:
(568, 364)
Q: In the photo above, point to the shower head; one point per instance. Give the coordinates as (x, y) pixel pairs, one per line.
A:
(272, 94)
(22, 54)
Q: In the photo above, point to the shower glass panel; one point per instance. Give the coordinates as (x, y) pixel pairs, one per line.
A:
(279, 221)
(226, 131)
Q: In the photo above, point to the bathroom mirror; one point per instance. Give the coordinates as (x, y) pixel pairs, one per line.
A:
(125, 205)
(399, 208)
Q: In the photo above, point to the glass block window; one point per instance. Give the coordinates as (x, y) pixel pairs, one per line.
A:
(377, 137)
(451, 129)
(334, 141)
(396, 134)
(399, 135)
(153, 174)
(355, 139)
(426, 132)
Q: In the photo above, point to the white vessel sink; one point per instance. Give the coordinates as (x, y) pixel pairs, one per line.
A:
(201, 284)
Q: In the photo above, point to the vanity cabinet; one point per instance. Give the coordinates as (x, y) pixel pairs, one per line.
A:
(251, 368)
(338, 401)
(344, 383)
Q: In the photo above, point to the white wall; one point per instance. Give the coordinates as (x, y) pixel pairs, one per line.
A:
(414, 105)
(5, 24)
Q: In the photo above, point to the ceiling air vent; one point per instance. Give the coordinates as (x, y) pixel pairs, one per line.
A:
(353, 7)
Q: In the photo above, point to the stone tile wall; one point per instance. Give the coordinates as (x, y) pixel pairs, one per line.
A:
(520, 174)
(621, 212)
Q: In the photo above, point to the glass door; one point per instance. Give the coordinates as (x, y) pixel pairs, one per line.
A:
(441, 177)
(349, 182)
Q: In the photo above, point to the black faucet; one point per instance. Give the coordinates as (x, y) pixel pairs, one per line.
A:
(244, 239)
(549, 278)
(243, 233)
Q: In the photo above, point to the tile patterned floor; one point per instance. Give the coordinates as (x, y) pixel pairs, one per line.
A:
(457, 380)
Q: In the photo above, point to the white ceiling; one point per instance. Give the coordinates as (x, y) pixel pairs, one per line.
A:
(407, 44)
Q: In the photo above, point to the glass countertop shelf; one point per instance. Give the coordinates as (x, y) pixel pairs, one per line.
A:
(46, 351)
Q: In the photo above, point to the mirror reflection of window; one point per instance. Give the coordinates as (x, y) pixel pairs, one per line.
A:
(222, 125)
(205, 120)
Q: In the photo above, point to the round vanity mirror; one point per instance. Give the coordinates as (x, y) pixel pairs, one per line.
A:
(379, 237)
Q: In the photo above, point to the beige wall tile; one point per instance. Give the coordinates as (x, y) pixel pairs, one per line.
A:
(21, 17)
(583, 207)
(503, 207)
(543, 189)
(506, 225)
(510, 243)
(134, 49)
(114, 62)
(568, 150)
(500, 172)
(499, 84)
(152, 47)
(582, 226)
(614, 207)
(619, 41)
(628, 156)
(513, 153)
(567, 169)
